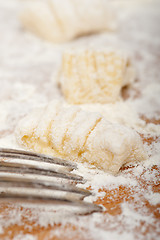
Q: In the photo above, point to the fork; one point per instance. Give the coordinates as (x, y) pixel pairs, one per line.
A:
(38, 178)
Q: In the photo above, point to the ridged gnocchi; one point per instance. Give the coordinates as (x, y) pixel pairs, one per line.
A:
(60, 21)
(71, 133)
(94, 76)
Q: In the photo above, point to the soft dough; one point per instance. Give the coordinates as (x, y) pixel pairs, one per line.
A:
(94, 76)
(71, 133)
(63, 20)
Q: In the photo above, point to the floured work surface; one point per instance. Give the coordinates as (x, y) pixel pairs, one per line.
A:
(132, 198)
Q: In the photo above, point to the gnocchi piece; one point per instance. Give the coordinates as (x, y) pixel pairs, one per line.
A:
(60, 21)
(71, 133)
(94, 76)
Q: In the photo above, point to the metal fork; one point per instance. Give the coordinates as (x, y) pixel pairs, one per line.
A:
(32, 177)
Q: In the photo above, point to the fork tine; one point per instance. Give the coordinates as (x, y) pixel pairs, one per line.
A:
(30, 193)
(86, 207)
(39, 185)
(22, 163)
(39, 172)
(15, 161)
(13, 153)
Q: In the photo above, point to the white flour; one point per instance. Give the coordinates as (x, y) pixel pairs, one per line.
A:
(27, 67)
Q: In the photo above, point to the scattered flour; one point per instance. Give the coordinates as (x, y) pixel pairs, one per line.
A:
(153, 198)
(26, 237)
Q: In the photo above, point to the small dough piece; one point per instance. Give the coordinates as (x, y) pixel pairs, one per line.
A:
(71, 133)
(94, 76)
(62, 20)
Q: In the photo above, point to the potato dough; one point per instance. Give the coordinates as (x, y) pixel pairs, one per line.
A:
(70, 133)
(94, 76)
(63, 20)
